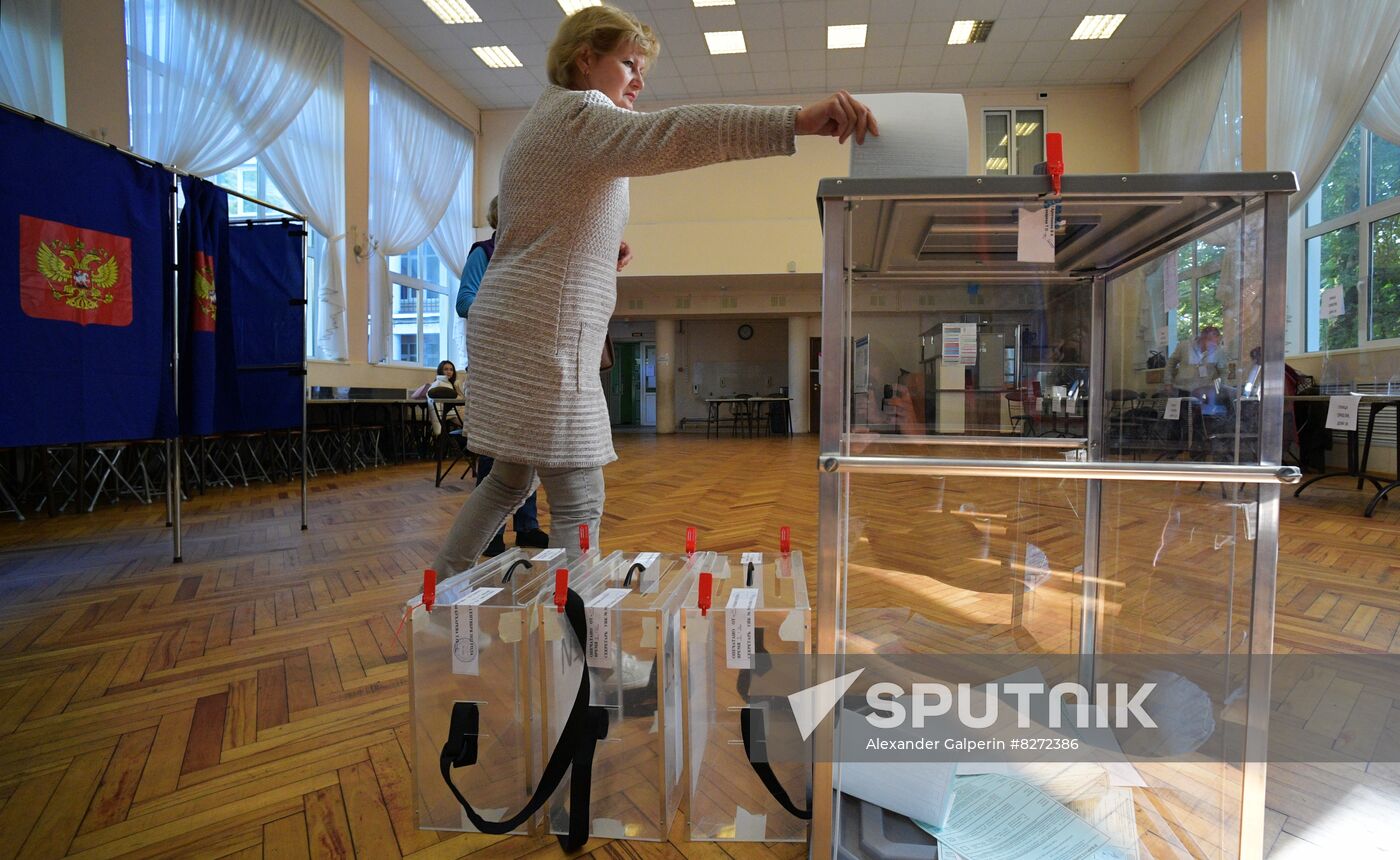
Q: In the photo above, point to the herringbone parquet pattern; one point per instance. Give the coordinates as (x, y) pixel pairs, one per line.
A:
(253, 700)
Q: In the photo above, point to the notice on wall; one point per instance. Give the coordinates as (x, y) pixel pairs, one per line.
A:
(1333, 303)
(1173, 410)
(1342, 411)
(960, 344)
(860, 361)
(1035, 235)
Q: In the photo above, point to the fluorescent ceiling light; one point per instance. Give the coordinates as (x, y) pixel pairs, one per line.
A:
(453, 11)
(572, 6)
(497, 56)
(1024, 129)
(1097, 26)
(967, 32)
(845, 36)
(998, 163)
(700, 4)
(726, 42)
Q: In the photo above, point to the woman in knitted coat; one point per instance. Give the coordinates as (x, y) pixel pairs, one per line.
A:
(534, 397)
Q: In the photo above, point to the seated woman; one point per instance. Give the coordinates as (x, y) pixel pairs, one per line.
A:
(445, 386)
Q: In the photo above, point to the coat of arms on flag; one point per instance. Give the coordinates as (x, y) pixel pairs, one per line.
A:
(205, 298)
(74, 275)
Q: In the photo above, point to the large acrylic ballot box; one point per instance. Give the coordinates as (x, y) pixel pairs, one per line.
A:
(1066, 471)
(475, 645)
(757, 624)
(633, 655)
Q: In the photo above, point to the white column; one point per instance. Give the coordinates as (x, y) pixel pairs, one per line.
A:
(665, 376)
(799, 383)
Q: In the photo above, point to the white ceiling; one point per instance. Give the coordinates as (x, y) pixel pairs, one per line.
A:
(906, 45)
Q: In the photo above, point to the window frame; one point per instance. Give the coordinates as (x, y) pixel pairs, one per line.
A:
(1195, 273)
(1364, 217)
(1013, 157)
(422, 290)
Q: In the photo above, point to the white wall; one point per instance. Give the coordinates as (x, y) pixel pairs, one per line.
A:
(711, 361)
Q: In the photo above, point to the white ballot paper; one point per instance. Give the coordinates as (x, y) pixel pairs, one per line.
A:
(917, 789)
(1035, 235)
(1342, 411)
(921, 134)
(996, 817)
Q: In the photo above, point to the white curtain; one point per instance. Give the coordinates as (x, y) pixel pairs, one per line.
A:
(213, 82)
(31, 58)
(452, 239)
(1325, 57)
(307, 162)
(417, 154)
(1192, 123)
(1225, 148)
(1382, 113)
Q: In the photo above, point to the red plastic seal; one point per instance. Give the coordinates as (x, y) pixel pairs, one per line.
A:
(785, 540)
(690, 540)
(429, 589)
(583, 537)
(707, 584)
(561, 588)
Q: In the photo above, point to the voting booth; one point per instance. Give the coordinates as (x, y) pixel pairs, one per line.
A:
(747, 643)
(1049, 505)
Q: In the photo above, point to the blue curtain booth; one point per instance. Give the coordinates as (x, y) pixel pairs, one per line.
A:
(85, 245)
(266, 318)
(208, 387)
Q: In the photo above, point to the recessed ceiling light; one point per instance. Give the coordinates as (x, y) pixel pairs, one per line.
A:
(1097, 26)
(726, 42)
(967, 32)
(700, 4)
(998, 163)
(453, 11)
(572, 6)
(497, 56)
(1024, 129)
(845, 36)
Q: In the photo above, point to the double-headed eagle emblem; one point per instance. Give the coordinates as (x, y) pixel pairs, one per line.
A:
(206, 300)
(79, 276)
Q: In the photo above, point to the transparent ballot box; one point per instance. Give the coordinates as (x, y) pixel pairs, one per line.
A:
(473, 646)
(631, 656)
(747, 645)
(1050, 464)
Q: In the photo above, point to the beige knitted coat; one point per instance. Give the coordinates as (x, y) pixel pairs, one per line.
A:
(536, 329)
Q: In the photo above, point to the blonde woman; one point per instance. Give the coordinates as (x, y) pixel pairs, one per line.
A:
(534, 398)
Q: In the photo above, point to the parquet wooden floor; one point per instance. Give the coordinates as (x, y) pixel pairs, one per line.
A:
(253, 700)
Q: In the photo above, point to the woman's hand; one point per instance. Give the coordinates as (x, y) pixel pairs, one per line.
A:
(838, 115)
(624, 256)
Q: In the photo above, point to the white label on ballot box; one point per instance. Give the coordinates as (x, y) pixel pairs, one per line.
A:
(738, 623)
(466, 629)
(601, 652)
(1035, 235)
(1173, 410)
(1342, 411)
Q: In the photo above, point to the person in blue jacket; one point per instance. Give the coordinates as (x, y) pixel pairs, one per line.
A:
(527, 521)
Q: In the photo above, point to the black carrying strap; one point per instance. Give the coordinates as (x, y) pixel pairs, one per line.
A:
(763, 769)
(585, 726)
(762, 662)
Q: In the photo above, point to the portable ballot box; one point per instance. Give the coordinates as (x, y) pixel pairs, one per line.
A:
(474, 646)
(632, 654)
(746, 647)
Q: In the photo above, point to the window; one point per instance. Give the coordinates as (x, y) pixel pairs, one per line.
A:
(422, 306)
(250, 179)
(1014, 140)
(1351, 241)
(1198, 302)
